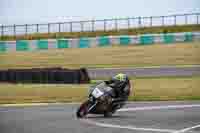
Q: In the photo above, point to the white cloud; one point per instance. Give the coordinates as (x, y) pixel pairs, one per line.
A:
(43, 11)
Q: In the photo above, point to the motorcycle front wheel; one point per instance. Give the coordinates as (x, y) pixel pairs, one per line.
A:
(83, 110)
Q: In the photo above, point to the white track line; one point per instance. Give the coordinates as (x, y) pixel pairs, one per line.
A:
(127, 127)
(159, 107)
(187, 129)
(146, 129)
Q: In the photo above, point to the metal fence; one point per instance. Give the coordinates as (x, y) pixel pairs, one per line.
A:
(100, 25)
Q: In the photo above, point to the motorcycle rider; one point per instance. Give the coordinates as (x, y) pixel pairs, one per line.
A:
(121, 85)
(118, 90)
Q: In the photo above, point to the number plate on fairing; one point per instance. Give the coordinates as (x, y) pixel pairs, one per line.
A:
(97, 93)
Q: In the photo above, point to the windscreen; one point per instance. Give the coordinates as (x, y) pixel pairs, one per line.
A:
(101, 86)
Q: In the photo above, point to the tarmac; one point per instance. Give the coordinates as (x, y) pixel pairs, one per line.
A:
(135, 117)
(146, 71)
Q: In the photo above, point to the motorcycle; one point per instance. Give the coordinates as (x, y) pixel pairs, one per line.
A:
(100, 101)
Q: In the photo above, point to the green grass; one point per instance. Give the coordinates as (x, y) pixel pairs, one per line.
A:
(166, 88)
(133, 31)
(28, 93)
(145, 89)
(110, 57)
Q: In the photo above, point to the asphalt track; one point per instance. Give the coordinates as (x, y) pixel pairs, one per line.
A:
(146, 72)
(139, 117)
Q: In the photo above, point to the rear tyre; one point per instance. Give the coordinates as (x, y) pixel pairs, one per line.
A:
(107, 114)
(82, 110)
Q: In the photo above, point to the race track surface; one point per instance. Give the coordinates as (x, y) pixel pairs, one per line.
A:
(146, 72)
(140, 117)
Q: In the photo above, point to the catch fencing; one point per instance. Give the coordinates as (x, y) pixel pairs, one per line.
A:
(100, 25)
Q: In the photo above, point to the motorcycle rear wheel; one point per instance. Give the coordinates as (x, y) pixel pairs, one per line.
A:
(107, 114)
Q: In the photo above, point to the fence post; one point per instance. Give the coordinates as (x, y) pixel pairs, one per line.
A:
(2, 32)
(163, 20)
(71, 27)
(82, 26)
(93, 22)
(151, 18)
(26, 29)
(104, 25)
(14, 31)
(48, 28)
(59, 27)
(186, 20)
(197, 18)
(37, 28)
(139, 21)
(128, 23)
(175, 20)
(116, 24)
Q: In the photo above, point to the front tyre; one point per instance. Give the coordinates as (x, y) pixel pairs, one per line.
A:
(107, 114)
(82, 110)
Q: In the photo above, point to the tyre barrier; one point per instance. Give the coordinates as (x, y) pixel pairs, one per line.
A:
(45, 75)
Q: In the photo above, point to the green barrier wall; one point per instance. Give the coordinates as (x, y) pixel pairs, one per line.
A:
(2, 47)
(103, 41)
(22, 45)
(84, 43)
(188, 37)
(168, 38)
(146, 39)
(61, 43)
(124, 40)
(42, 44)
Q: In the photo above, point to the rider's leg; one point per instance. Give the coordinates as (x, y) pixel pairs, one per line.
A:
(117, 105)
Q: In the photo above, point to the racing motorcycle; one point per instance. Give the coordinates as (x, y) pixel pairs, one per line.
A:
(100, 101)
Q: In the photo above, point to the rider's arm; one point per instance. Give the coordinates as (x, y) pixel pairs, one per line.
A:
(109, 82)
(124, 93)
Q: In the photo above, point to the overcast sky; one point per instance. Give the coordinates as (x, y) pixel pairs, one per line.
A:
(43, 11)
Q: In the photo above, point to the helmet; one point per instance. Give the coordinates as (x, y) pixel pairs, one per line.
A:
(120, 77)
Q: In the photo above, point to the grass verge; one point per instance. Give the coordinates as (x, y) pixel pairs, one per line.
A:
(106, 57)
(145, 89)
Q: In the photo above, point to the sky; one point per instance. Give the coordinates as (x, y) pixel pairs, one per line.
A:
(44, 11)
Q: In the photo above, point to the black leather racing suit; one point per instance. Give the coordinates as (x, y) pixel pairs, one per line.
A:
(122, 90)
